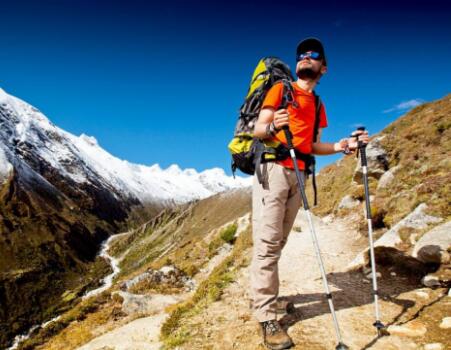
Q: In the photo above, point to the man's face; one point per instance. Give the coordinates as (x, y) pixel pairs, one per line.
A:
(309, 68)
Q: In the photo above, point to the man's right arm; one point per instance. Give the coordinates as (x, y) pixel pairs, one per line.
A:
(267, 116)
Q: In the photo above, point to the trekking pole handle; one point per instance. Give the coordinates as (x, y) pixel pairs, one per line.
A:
(361, 147)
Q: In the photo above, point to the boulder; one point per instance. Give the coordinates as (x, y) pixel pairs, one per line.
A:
(348, 202)
(433, 246)
(417, 219)
(134, 304)
(431, 281)
(377, 161)
(387, 178)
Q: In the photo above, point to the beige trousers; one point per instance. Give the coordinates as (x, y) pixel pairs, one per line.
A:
(275, 204)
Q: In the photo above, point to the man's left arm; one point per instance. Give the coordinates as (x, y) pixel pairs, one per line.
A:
(324, 148)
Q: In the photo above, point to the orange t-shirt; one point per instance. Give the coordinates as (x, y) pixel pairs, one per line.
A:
(302, 119)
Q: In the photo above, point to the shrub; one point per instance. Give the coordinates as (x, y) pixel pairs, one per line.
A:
(228, 234)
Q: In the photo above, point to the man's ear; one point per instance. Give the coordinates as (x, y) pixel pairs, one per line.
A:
(323, 69)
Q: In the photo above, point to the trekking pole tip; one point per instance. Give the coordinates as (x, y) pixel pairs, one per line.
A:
(341, 346)
(381, 328)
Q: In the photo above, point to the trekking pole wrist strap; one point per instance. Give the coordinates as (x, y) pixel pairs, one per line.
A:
(346, 150)
(271, 129)
(273, 126)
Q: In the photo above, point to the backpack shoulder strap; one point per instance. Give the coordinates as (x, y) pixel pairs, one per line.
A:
(318, 105)
(287, 94)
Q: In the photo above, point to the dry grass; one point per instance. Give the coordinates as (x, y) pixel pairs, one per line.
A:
(420, 144)
(175, 331)
(75, 327)
(334, 182)
(178, 236)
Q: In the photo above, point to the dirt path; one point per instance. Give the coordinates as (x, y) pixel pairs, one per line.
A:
(228, 324)
(140, 334)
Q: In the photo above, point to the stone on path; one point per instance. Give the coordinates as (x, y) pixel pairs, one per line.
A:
(433, 346)
(411, 329)
(446, 323)
(431, 281)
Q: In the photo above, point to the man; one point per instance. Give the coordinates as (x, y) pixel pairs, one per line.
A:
(277, 200)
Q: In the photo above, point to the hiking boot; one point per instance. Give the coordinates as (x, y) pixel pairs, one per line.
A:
(274, 337)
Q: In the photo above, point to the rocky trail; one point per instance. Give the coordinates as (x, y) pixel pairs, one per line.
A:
(418, 317)
(228, 324)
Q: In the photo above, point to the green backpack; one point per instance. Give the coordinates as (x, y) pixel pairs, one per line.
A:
(248, 152)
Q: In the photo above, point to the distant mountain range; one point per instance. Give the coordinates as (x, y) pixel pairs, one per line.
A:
(27, 135)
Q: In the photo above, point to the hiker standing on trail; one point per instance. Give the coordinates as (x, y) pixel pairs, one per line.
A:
(276, 200)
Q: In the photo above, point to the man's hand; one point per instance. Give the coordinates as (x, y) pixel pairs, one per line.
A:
(281, 118)
(341, 145)
(358, 135)
(349, 145)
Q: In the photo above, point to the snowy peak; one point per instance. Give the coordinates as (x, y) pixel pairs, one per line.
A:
(90, 140)
(28, 135)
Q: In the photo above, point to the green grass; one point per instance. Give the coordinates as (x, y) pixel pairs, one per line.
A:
(228, 234)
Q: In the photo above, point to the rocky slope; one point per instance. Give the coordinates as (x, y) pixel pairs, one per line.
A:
(60, 197)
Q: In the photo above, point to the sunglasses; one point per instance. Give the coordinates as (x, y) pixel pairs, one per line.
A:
(311, 54)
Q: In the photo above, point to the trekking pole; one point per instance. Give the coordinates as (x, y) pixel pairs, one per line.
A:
(381, 329)
(340, 345)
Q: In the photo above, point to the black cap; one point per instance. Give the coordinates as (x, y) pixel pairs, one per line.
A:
(311, 44)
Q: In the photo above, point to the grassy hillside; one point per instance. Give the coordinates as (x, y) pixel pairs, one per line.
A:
(186, 236)
(51, 229)
(46, 247)
(182, 237)
(419, 144)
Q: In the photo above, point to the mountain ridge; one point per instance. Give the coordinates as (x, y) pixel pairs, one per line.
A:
(26, 129)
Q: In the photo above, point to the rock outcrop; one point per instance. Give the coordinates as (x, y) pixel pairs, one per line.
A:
(377, 161)
(417, 219)
(433, 246)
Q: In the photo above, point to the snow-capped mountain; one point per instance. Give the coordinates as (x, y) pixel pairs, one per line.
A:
(27, 134)
(61, 196)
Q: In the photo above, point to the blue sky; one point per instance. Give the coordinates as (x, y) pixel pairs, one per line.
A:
(162, 81)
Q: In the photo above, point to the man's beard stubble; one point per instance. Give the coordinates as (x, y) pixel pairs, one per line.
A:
(308, 74)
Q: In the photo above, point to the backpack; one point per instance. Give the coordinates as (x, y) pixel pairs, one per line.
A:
(248, 152)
